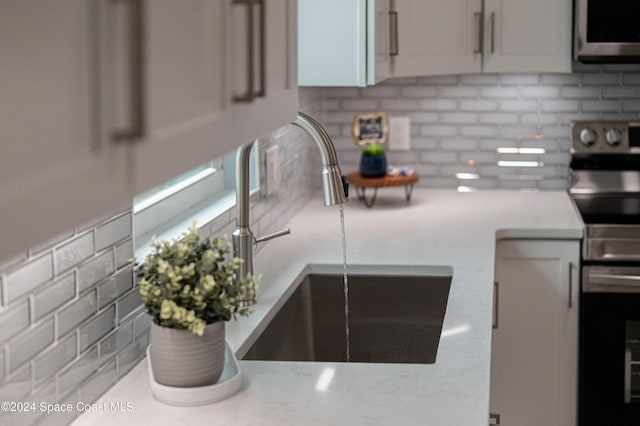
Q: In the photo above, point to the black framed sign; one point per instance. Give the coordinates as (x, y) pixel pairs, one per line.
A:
(368, 128)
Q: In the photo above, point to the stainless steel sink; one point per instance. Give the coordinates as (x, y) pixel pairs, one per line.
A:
(395, 316)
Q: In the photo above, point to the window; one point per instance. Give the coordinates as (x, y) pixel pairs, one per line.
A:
(201, 194)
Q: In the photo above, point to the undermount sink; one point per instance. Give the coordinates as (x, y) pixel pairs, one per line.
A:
(395, 316)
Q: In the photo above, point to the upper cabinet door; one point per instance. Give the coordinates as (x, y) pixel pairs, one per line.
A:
(438, 37)
(57, 168)
(527, 36)
(382, 40)
(185, 99)
(263, 66)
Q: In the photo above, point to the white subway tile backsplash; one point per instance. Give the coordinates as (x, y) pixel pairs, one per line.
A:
(380, 91)
(124, 253)
(620, 93)
(560, 79)
(74, 252)
(70, 317)
(559, 106)
(462, 120)
(597, 79)
(438, 130)
(458, 92)
(95, 270)
(17, 386)
(478, 105)
(128, 304)
(360, 105)
(53, 296)
(419, 92)
(71, 378)
(438, 105)
(459, 118)
(115, 287)
(33, 341)
(25, 278)
(519, 79)
(519, 106)
(398, 105)
(98, 383)
(14, 320)
(499, 92)
(56, 358)
(116, 341)
(479, 80)
(96, 328)
(113, 231)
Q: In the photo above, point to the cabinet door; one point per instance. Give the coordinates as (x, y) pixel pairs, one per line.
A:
(527, 36)
(535, 336)
(55, 168)
(382, 30)
(438, 37)
(186, 98)
(264, 66)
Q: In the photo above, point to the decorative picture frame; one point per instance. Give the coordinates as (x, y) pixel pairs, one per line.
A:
(369, 128)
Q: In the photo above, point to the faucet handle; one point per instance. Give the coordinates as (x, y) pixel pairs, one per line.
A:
(271, 236)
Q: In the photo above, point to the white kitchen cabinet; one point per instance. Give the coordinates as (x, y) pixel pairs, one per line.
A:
(535, 336)
(345, 43)
(56, 170)
(218, 75)
(527, 35)
(439, 37)
(458, 37)
(102, 100)
(272, 99)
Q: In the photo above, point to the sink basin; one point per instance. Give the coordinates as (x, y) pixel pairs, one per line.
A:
(395, 316)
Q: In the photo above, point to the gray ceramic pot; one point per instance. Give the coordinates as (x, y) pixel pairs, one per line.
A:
(180, 358)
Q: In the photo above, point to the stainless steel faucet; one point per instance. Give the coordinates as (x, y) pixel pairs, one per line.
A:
(333, 183)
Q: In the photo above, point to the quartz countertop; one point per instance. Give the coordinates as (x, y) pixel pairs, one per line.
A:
(438, 227)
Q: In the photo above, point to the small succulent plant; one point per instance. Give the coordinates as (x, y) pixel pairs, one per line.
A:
(373, 150)
(188, 283)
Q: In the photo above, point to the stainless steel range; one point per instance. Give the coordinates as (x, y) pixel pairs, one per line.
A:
(605, 167)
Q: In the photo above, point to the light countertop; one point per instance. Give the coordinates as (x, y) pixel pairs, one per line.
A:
(438, 227)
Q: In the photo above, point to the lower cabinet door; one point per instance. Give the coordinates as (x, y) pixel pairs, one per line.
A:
(534, 360)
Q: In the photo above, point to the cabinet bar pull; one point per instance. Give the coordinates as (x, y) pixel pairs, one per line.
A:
(496, 299)
(494, 416)
(477, 19)
(493, 32)
(249, 94)
(136, 53)
(570, 285)
(393, 34)
(627, 375)
(263, 49)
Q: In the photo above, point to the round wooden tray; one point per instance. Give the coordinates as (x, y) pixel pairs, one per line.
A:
(362, 183)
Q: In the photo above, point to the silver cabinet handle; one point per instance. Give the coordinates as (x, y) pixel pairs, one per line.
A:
(494, 416)
(263, 49)
(496, 300)
(393, 34)
(251, 93)
(627, 375)
(477, 19)
(493, 32)
(136, 52)
(570, 285)
(248, 95)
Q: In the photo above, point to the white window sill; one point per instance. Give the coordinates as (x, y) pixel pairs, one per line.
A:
(202, 214)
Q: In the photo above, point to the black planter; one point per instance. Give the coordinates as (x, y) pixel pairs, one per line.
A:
(373, 166)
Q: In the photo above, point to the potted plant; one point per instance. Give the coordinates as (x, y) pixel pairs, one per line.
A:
(190, 288)
(373, 162)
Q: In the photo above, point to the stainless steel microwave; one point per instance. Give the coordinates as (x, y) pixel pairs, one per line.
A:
(607, 31)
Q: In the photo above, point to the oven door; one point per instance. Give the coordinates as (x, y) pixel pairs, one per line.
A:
(610, 346)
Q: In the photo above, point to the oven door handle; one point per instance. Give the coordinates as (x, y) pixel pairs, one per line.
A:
(627, 375)
(611, 282)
